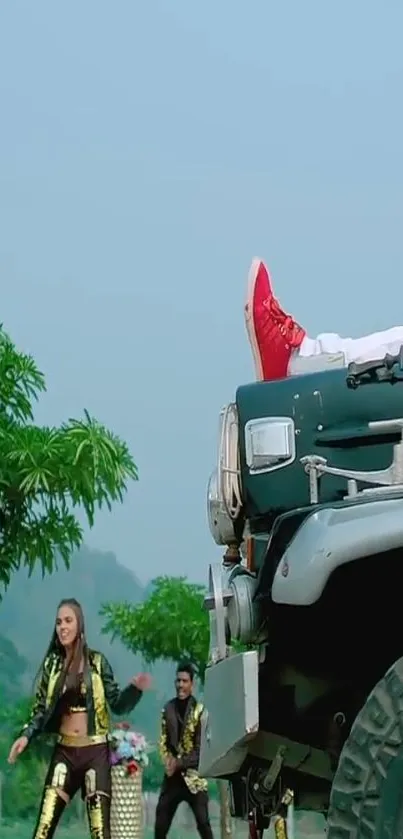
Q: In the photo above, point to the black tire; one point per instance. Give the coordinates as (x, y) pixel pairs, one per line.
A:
(366, 800)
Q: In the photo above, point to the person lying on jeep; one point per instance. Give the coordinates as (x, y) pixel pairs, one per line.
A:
(279, 343)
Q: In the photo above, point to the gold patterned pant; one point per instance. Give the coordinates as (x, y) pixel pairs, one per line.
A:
(85, 768)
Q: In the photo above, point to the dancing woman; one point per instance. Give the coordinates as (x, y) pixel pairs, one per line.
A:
(76, 686)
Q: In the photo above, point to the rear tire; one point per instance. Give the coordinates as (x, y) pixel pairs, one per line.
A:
(366, 800)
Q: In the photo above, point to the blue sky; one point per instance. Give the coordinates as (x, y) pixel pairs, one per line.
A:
(147, 152)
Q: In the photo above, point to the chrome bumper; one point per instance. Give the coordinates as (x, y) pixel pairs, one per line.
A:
(231, 720)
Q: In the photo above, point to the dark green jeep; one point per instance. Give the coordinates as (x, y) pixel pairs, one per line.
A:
(308, 498)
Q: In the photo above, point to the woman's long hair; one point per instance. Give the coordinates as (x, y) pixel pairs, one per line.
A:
(79, 652)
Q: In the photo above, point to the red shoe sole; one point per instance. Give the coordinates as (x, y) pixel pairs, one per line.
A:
(249, 319)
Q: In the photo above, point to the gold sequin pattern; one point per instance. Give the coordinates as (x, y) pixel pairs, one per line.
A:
(101, 712)
(50, 800)
(280, 828)
(55, 668)
(192, 779)
(162, 742)
(90, 782)
(95, 816)
(59, 775)
(194, 782)
(126, 804)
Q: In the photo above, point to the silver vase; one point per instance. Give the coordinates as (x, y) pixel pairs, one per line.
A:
(126, 804)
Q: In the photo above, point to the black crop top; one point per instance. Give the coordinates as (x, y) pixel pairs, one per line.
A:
(73, 698)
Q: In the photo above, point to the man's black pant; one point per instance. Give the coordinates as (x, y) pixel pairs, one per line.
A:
(173, 792)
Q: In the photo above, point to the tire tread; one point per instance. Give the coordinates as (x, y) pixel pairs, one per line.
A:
(375, 739)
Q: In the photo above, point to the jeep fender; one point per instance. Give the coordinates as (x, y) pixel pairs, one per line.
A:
(330, 537)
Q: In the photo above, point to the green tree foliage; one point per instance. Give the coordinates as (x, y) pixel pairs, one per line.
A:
(47, 473)
(22, 782)
(154, 773)
(170, 624)
(12, 668)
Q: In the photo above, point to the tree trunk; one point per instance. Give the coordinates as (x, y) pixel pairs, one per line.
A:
(225, 814)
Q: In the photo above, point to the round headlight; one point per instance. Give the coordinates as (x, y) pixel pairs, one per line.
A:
(220, 524)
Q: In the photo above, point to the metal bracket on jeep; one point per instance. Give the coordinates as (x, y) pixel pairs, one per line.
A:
(371, 372)
(392, 477)
(216, 602)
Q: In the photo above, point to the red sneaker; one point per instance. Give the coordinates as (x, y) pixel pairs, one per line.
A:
(273, 334)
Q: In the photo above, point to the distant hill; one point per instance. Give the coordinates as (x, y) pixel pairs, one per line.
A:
(27, 614)
(28, 609)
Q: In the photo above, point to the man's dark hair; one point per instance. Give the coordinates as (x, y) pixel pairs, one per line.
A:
(186, 667)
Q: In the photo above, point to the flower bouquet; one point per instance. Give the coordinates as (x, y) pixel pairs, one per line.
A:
(128, 748)
(128, 755)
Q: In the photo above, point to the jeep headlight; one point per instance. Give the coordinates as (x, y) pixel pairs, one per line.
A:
(220, 523)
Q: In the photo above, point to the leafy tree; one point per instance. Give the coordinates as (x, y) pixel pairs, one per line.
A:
(12, 668)
(171, 624)
(48, 473)
(154, 773)
(20, 783)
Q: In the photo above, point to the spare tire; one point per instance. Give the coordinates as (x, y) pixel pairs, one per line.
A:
(366, 800)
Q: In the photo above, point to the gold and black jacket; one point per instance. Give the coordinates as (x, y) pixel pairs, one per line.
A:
(101, 692)
(185, 748)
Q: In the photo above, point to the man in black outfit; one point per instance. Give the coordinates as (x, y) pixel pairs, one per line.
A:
(179, 747)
